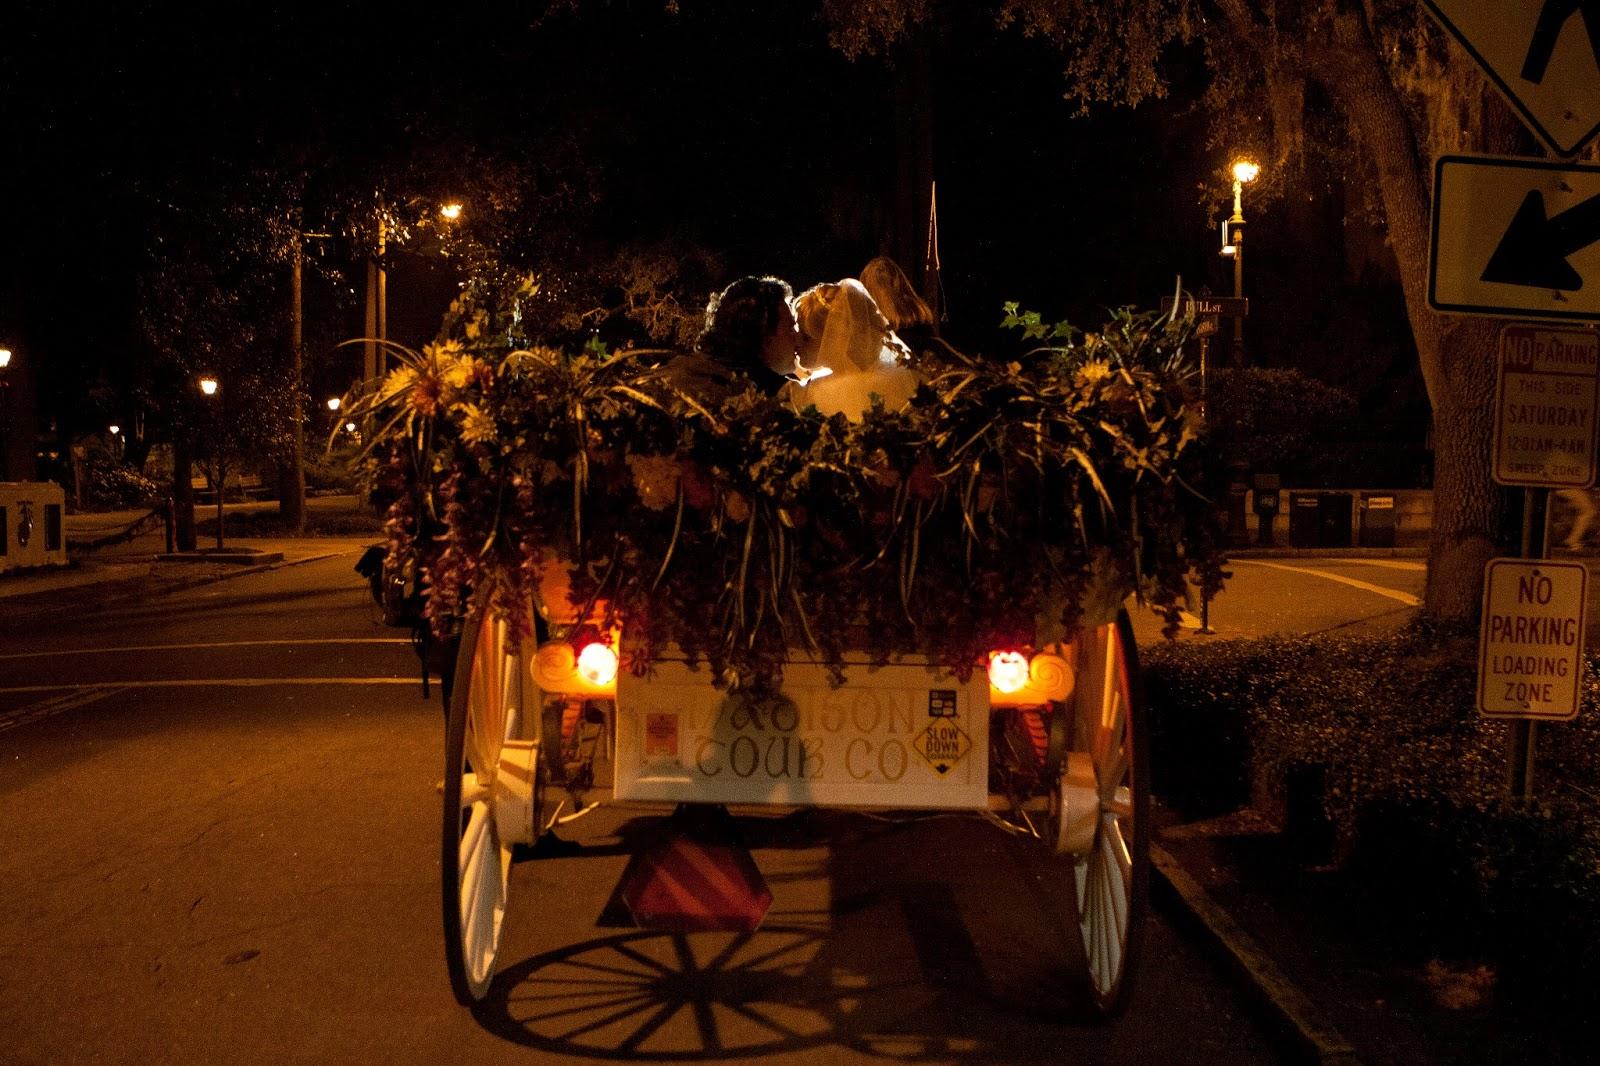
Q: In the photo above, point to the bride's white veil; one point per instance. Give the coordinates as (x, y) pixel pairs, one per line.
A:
(856, 343)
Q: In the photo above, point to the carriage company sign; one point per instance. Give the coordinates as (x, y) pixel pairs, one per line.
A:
(1530, 649)
(895, 736)
(1547, 384)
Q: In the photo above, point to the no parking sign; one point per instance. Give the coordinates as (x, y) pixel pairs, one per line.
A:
(1530, 649)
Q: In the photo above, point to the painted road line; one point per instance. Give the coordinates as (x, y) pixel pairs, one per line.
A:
(1394, 594)
(211, 644)
(33, 712)
(213, 682)
(1387, 564)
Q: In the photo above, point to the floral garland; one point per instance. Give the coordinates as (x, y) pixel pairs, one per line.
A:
(977, 517)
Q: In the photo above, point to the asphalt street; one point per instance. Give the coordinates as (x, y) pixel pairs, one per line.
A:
(221, 831)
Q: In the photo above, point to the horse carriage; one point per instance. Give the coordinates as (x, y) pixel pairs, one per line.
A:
(647, 619)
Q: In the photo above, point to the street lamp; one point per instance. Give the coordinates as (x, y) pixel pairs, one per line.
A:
(375, 356)
(5, 426)
(211, 387)
(334, 403)
(1244, 172)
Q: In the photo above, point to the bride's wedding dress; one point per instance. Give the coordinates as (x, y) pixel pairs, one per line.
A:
(843, 330)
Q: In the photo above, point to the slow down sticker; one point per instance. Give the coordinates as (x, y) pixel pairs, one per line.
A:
(942, 745)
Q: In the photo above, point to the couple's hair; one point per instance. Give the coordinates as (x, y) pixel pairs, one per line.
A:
(894, 295)
(740, 318)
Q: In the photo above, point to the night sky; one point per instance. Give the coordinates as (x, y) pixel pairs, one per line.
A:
(740, 132)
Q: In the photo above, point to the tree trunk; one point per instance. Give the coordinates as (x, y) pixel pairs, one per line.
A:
(183, 494)
(1456, 355)
(1467, 505)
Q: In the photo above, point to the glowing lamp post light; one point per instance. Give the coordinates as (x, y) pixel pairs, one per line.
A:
(210, 387)
(1244, 172)
(5, 440)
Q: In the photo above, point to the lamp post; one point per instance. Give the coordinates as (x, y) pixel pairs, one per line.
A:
(116, 441)
(5, 422)
(375, 355)
(211, 388)
(1244, 172)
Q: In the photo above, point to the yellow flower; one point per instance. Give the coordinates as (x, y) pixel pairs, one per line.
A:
(477, 426)
(399, 380)
(1092, 373)
(455, 373)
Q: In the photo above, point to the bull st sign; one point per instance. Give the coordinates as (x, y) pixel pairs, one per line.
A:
(1515, 238)
(1546, 391)
(1543, 56)
(1530, 649)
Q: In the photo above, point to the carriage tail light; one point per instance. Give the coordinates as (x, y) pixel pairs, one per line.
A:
(597, 663)
(1008, 671)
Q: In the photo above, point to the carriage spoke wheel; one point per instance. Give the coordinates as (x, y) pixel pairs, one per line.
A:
(491, 797)
(1112, 872)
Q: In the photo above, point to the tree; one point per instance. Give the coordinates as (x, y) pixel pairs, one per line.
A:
(1372, 85)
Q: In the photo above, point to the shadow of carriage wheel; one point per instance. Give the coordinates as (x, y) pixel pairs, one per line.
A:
(681, 997)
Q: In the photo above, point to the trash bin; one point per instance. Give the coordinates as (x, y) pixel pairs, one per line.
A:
(1305, 519)
(1234, 517)
(1377, 520)
(1334, 515)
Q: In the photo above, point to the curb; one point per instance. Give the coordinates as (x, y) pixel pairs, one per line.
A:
(1313, 1034)
(127, 590)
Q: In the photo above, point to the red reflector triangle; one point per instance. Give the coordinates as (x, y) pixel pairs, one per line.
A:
(687, 885)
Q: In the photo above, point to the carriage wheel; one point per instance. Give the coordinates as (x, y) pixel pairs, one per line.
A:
(492, 793)
(1112, 872)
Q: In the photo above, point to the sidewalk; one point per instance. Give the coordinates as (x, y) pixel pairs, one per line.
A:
(132, 571)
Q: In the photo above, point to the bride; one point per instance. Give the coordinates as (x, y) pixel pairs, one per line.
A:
(842, 330)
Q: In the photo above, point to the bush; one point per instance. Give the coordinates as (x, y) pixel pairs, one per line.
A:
(108, 485)
(1410, 783)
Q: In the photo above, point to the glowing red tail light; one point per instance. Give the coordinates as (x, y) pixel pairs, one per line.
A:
(1008, 671)
(597, 663)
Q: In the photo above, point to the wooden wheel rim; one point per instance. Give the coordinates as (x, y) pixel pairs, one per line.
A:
(485, 712)
(1111, 878)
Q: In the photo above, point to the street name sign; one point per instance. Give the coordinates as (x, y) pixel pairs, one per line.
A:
(1515, 237)
(1211, 306)
(1530, 647)
(1543, 56)
(1546, 392)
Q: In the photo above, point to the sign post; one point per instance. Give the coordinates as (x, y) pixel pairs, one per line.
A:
(1530, 655)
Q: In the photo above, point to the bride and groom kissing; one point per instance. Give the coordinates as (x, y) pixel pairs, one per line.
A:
(835, 346)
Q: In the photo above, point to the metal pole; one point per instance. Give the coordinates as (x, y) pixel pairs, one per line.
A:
(1205, 594)
(383, 302)
(1238, 294)
(1522, 745)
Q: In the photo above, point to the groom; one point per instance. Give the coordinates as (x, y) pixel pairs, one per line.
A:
(750, 330)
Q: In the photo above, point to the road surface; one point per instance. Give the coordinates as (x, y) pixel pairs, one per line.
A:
(221, 845)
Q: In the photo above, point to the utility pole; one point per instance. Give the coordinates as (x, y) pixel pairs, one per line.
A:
(375, 356)
(292, 482)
